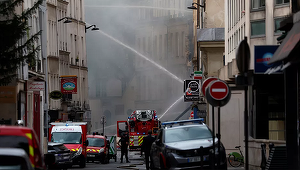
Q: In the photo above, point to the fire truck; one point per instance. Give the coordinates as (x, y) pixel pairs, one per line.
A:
(137, 126)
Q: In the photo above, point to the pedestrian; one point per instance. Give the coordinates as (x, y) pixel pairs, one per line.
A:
(146, 147)
(123, 143)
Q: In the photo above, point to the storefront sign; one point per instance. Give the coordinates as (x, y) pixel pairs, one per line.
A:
(263, 54)
(35, 86)
(69, 85)
(8, 94)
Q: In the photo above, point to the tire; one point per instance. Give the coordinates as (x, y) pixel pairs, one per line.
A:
(116, 158)
(233, 161)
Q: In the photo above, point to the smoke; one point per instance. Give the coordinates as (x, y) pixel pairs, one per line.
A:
(119, 78)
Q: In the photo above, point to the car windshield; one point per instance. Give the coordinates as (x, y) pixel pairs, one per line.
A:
(187, 133)
(97, 142)
(15, 142)
(13, 163)
(66, 137)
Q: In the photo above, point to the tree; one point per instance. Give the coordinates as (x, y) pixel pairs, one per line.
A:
(16, 45)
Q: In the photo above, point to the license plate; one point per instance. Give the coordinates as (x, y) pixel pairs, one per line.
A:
(91, 155)
(194, 159)
(66, 157)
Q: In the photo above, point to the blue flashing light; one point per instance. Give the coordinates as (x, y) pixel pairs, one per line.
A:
(128, 117)
(138, 133)
(67, 124)
(144, 133)
(155, 116)
(183, 121)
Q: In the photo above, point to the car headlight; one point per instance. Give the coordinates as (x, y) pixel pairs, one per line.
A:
(168, 150)
(78, 152)
(101, 150)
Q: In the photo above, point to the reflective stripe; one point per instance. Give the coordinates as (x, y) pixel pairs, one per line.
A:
(141, 139)
(131, 141)
(73, 149)
(29, 135)
(31, 151)
(94, 150)
(87, 149)
(98, 150)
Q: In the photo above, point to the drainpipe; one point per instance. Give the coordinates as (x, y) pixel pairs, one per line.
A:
(43, 26)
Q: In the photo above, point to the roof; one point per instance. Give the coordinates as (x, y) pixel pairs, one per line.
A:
(210, 34)
(54, 144)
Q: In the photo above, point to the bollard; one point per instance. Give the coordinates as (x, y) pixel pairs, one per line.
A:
(201, 157)
(263, 156)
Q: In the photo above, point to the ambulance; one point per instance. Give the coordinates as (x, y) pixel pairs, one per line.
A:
(73, 136)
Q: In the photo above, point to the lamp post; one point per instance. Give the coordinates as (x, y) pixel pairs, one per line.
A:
(67, 20)
(93, 29)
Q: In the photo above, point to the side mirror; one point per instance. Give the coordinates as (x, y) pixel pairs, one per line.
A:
(49, 159)
(86, 143)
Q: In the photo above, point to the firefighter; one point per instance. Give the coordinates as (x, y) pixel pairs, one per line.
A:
(146, 146)
(123, 142)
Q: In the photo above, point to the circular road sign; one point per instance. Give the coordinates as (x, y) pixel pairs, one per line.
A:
(206, 82)
(218, 90)
(218, 93)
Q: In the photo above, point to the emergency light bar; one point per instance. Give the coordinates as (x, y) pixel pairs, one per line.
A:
(200, 120)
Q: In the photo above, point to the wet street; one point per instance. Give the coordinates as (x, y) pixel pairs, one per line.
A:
(136, 162)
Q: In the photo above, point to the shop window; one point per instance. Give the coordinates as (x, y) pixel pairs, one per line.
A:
(257, 4)
(277, 25)
(281, 2)
(276, 126)
(258, 28)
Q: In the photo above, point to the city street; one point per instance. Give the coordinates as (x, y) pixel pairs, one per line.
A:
(136, 162)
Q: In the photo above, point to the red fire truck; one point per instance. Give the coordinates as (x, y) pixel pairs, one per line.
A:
(138, 124)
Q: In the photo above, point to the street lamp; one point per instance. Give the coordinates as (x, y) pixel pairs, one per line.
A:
(193, 7)
(93, 29)
(66, 21)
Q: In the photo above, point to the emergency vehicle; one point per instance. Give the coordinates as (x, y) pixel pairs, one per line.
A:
(138, 124)
(98, 149)
(25, 138)
(73, 136)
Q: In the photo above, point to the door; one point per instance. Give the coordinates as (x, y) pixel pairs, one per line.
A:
(122, 126)
(36, 114)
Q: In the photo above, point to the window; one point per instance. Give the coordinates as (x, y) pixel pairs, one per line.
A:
(278, 2)
(258, 28)
(256, 4)
(277, 25)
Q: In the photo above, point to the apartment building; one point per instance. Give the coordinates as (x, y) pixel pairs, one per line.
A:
(258, 20)
(67, 60)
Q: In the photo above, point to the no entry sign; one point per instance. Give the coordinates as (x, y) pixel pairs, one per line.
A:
(218, 90)
(217, 93)
(206, 82)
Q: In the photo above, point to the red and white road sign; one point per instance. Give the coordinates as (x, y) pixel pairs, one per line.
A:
(218, 90)
(206, 82)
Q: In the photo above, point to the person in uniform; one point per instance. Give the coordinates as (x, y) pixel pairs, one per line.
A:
(146, 147)
(123, 143)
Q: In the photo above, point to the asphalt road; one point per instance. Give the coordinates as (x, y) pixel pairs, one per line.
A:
(136, 162)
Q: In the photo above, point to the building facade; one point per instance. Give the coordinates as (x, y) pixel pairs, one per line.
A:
(258, 20)
(67, 59)
(160, 32)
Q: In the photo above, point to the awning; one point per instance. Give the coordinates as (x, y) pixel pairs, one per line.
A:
(288, 45)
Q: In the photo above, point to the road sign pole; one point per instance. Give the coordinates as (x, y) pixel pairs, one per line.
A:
(213, 129)
(246, 129)
(219, 136)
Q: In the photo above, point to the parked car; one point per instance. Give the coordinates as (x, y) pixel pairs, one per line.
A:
(98, 149)
(58, 156)
(24, 138)
(14, 159)
(178, 143)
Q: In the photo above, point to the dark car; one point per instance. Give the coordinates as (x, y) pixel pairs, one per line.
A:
(58, 156)
(14, 159)
(178, 143)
